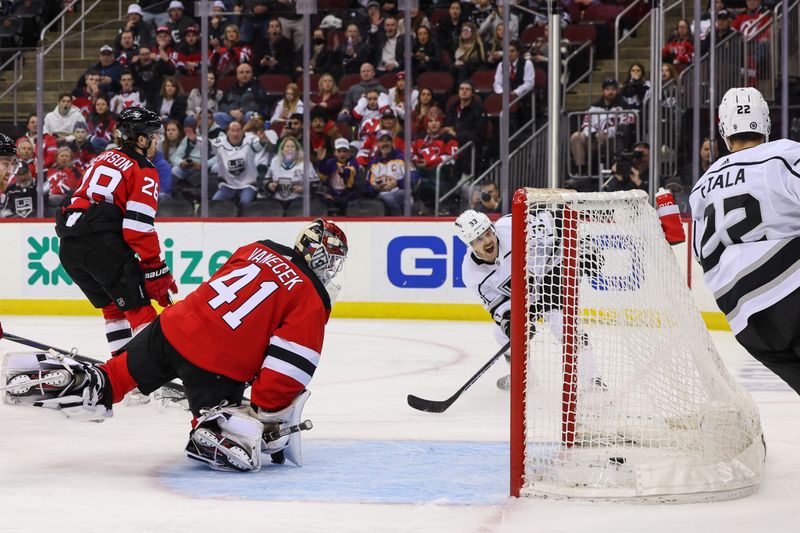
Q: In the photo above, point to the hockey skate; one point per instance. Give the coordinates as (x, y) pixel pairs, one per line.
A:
(504, 383)
(53, 381)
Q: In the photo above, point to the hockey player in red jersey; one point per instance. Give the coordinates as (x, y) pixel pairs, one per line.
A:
(260, 320)
(109, 222)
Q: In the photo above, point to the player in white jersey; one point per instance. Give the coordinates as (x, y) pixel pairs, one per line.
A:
(487, 272)
(746, 214)
(236, 153)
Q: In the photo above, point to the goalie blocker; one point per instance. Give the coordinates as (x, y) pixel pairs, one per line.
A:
(259, 320)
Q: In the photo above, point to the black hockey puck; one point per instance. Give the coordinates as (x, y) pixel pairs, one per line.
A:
(617, 460)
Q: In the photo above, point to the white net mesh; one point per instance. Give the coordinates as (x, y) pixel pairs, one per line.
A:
(625, 394)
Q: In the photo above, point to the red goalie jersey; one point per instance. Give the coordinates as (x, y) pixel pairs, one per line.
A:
(261, 319)
(129, 181)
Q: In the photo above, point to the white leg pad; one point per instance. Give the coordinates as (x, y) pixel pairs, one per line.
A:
(289, 416)
(227, 438)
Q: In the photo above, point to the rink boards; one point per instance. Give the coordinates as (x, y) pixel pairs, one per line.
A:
(398, 268)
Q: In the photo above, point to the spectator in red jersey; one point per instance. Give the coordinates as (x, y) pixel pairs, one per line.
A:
(83, 97)
(679, 49)
(128, 96)
(50, 143)
(231, 53)
(753, 24)
(128, 50)
(275, 54)
(438, 146)
(171, 103)
(387, 121)
(101, 123)
(142, 31)
(188, 55)
(82, 150)
(62, 178)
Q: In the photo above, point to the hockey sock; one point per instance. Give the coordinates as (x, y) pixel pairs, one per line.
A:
(119, 376)
(118, 330)
(140, 317)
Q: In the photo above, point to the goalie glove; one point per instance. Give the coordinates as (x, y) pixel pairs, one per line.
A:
(158, 282)
(227, 439)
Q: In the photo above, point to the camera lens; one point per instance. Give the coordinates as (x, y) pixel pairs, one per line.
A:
(486, 196)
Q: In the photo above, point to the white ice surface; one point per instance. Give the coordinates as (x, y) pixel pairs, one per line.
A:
(129, 473)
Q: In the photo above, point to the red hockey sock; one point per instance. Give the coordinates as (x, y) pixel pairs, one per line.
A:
(140, 316)
(118, 375)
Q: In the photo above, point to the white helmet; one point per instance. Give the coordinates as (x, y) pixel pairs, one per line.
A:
(743, 110)
(470, 225)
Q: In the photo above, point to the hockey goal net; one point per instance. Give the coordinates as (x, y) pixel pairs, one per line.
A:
(618, 392)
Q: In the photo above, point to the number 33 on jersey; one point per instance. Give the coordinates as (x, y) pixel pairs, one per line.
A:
(746, 224)
(261, 318)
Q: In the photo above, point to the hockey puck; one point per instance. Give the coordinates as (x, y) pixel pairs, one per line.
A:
(617, 460)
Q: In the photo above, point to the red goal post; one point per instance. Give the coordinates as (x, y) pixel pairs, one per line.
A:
(617, 391)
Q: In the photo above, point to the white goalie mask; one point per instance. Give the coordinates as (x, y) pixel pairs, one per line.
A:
(471, 224)
(323, 245)
(743, 110)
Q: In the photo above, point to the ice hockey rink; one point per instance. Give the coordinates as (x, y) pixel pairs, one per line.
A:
(372, 464)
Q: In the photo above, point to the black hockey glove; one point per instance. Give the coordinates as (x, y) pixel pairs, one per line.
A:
(505, 323)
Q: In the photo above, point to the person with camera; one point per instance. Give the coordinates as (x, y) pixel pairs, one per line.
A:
(486, 199)
(625, 175)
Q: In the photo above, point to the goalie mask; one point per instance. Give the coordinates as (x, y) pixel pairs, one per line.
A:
(324, 247)
(743, 110)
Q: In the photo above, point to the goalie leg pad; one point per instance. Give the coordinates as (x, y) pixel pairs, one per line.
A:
(287, 447)
(227, 439)
(79, 390)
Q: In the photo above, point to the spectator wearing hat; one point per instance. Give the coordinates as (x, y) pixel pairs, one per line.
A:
(387, 121)
(275, 54)
(397, 96)
(217, 23)
(255, 19)
(386, 175)
(291, 21)
(61, 120)
(164, 43)
(373, 26)
(353, 49)
(601, 128)
(178, 21)
(723, 29)
(231, 53)
(128, 50)
(338, 176)
(149, 71)
(323, 133)
(242, 99)
(188, 55)
(143, 35)
(109, 70)
(128, 95)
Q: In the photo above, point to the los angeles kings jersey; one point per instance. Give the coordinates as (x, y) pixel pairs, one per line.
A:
(492, 281)
(746, 228)
(128, 180)
(261, 318)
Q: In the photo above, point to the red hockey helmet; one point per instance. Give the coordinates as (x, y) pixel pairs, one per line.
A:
(323, 245)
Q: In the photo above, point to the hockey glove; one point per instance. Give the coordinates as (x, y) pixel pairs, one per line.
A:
(505, 323)
(158, 282)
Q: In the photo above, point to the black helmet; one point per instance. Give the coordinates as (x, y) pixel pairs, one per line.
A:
(136, 121)
(7, 146)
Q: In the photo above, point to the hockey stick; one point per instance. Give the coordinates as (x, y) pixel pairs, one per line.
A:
(278, 433)
(433, 406)
(177, 387)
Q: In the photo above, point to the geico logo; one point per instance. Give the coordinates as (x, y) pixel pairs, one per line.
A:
(423, 261)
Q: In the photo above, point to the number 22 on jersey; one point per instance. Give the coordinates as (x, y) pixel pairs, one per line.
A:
(227, 294)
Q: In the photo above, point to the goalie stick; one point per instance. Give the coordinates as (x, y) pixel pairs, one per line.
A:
(434, 406)
(177, 387)
(278, 433)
